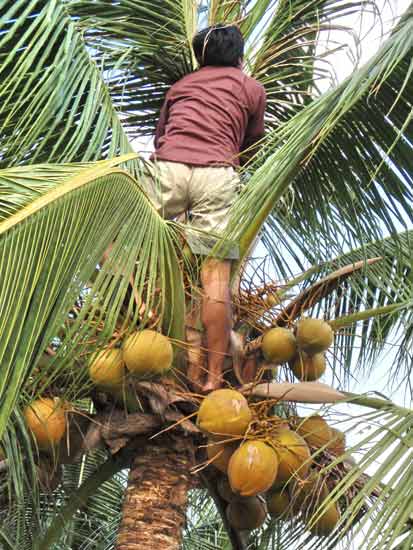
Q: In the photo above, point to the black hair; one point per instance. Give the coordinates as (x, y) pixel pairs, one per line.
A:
(219, 45)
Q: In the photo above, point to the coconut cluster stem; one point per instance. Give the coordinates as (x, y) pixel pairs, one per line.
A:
(235, 536)
(373, 402)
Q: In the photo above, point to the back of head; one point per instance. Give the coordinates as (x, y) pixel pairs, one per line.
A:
(219, 45)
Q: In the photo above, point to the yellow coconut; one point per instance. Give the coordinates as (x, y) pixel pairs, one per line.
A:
(147, 351)
(247, 513)
(107, 368)
(279, 345)
(220, 453)
(314, 336)
(337, 444)
(225, 491)
(327, 522)
(224, 412)
(252, 468)
(308, 368)
(305, 493)
(45, 417)
(278, 503)
(315, 430)
(293, 455)
(272, 299)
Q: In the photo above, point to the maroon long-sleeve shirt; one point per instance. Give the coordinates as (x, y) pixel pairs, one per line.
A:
(209, 117)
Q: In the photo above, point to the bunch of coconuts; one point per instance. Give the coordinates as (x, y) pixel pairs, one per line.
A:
(143, 352)
(267, 472)
(302, 350)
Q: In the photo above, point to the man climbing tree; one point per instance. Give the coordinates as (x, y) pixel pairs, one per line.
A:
(209, 118)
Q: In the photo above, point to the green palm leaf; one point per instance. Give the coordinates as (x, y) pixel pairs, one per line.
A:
(55, 106)
(356, 199)
(48, 252)
(143, 47)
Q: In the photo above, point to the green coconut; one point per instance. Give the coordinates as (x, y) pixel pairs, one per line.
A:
(147, 352)
(308, 368)
(247, 513)
(224, 412)
(279, 345)
(219, 452)
(314, 336)
(252, 468)
(278, 503)
(315, 430)
(293, 456)
(107, 368)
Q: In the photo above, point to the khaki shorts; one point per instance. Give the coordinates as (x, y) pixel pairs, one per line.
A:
(200, 195)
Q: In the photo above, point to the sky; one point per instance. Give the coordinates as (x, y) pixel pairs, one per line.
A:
(372, 31)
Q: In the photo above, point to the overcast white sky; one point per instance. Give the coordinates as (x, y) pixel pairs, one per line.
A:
(371, 29)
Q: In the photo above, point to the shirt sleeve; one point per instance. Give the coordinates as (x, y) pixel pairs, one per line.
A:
(255, 128)
(163, 118)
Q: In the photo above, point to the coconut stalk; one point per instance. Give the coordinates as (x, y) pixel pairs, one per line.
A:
(154, 508)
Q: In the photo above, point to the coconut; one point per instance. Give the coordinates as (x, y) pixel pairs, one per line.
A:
(337, 444)
(252, 468)
(272, 299)
(220, 452)
(278, 503)
(279, 345)
(224, 412)
(45, 417)
(315, 430)
(308, 368)
(247, 513)
(224, 490)
(314, 335)
(293, 455)
(147, 351)
(107, 368)
(305, 493)
(326, 523)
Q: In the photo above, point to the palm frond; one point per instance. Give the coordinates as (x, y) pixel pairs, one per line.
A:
(48, 253)
(55, 105)
(143, 47)
(352, 203)
(288, 57)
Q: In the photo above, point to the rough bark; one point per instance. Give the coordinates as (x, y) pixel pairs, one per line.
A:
(156, 496)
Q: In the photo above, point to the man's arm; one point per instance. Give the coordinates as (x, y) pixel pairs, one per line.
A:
(255, 128)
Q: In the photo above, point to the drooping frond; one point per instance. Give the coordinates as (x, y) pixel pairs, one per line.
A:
(143, 47)
(288, 57)
(337, 158)
(54, 103)
(20, 186)
(48, 253)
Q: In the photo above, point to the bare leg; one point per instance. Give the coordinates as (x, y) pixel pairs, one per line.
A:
(216, 317)
(195, 357)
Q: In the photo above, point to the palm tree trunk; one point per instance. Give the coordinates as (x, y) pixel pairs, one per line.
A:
(156, 496)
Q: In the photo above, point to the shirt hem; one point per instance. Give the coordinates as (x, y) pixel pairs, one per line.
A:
(210, 163)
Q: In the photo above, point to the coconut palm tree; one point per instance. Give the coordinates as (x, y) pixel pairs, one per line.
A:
(326, 200)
